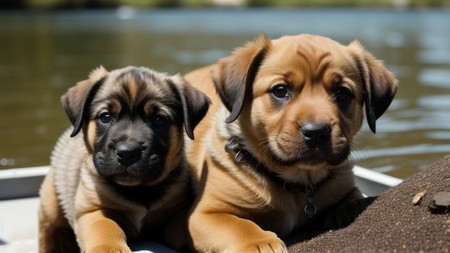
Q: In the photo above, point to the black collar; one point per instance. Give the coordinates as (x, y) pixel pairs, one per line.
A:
(244, 156)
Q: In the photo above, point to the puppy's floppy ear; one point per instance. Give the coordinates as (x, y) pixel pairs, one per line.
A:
(195, 103)
(77, 99)
(234, 75)
(380, 85)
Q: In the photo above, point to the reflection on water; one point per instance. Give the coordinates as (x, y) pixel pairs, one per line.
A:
(42, 54)
(435, 77)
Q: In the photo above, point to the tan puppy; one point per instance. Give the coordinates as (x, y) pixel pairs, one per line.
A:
(120, 172)
(272, 152)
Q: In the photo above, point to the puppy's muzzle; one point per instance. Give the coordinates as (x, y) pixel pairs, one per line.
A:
(129, 152)
(316, 134)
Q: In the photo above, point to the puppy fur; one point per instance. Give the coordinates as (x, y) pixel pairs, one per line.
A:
(274, 146)
(119, 173)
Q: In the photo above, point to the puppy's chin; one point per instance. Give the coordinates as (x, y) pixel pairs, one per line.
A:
(130, 179)
(144, 172)
(310, 157)
(127, 181)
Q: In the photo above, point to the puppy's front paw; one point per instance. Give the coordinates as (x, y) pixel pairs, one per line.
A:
(268, 244)
(111, 248)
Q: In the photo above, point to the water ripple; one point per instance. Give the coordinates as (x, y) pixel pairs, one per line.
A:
(419, 149)
(435, 77)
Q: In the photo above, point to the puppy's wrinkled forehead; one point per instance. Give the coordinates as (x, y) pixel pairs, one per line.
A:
(317, 57)
(130, 89)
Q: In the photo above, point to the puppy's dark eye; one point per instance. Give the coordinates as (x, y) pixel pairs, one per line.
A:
(280, 91)
(343, 95)
(105, 118)
(158, 121)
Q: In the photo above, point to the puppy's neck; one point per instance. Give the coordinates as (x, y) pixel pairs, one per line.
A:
(304, 184)
(308, 187)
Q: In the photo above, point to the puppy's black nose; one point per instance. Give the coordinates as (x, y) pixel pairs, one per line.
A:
(128, 152)
(316, 133)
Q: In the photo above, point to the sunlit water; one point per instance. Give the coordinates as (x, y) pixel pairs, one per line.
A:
(42, 54)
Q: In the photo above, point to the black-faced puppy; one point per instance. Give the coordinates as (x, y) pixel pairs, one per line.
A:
(119, 172)
(272, 153)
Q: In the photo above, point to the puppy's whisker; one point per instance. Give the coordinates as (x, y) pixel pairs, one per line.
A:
(264, 145)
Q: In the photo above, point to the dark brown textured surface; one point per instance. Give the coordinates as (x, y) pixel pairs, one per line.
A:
(393, 223)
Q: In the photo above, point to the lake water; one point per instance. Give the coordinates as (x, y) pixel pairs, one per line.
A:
(42, 54)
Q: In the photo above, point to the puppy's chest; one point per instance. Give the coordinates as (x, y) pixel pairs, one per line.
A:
(280, 214)
(141, 195)
(291, 210)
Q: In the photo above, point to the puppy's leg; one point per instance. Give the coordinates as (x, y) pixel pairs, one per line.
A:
(55, 233)
(347, 210)
(222, 232)
(98, 232)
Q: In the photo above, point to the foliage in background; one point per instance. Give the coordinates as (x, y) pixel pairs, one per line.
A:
(70, 4)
